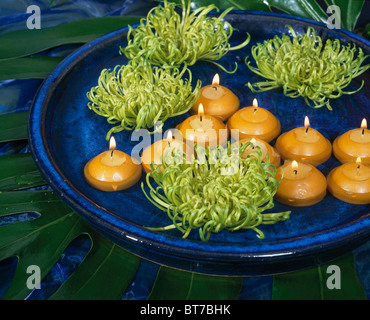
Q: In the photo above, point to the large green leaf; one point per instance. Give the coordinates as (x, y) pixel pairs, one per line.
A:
(174, 284)
(13, 126)
(18, 171)
(28, 68)
(309, 9)
(350, 11)
(22, 43)
(312, 283)
(104, 273)
(258, 5)
(52, 231)
(41, 242)
(303, 8)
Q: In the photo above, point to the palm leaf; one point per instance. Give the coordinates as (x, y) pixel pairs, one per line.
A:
(28, 68)
(13, 126)
(21, 43)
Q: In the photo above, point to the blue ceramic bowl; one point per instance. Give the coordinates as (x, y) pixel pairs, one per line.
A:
(64, 134)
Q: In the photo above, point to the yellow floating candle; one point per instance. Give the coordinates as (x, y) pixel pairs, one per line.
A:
(203, 129)
(352, 144)
(304, 144)
(112, 170)
(217, 100)
(169, 147)
(266, 149)
(350, 182)
(254, 122)
(302, 184)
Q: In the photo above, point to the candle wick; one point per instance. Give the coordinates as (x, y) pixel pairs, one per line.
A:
(111, 154)
(255, 110)
(363, 131)
(201, 117)
(307, 129)
(214, 87)
(295, 171)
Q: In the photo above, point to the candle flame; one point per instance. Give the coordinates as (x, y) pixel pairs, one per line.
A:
(255, 103)
(294, 165)
(358, 160)
(200, 110)
(306, 122)
(216, 79)
(253, 141)
(112, 143)
(169, 136)
(364, 124)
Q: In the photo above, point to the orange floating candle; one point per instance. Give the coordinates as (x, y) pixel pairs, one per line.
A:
(203, 129)
(304, 144)
(266, 149)
(352, 144)
(350, 182)
(169, 147)
(112, 170)
(255, 122)
(302, 184)
(217, 100)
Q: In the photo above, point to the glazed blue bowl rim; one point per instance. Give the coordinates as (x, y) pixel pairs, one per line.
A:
(321, 241)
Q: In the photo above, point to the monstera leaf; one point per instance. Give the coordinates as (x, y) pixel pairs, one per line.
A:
(42, 240)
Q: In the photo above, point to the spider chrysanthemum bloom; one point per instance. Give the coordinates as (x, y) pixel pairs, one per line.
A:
(137, 95)
(168, 38)
(302, 65)
(218, 190)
